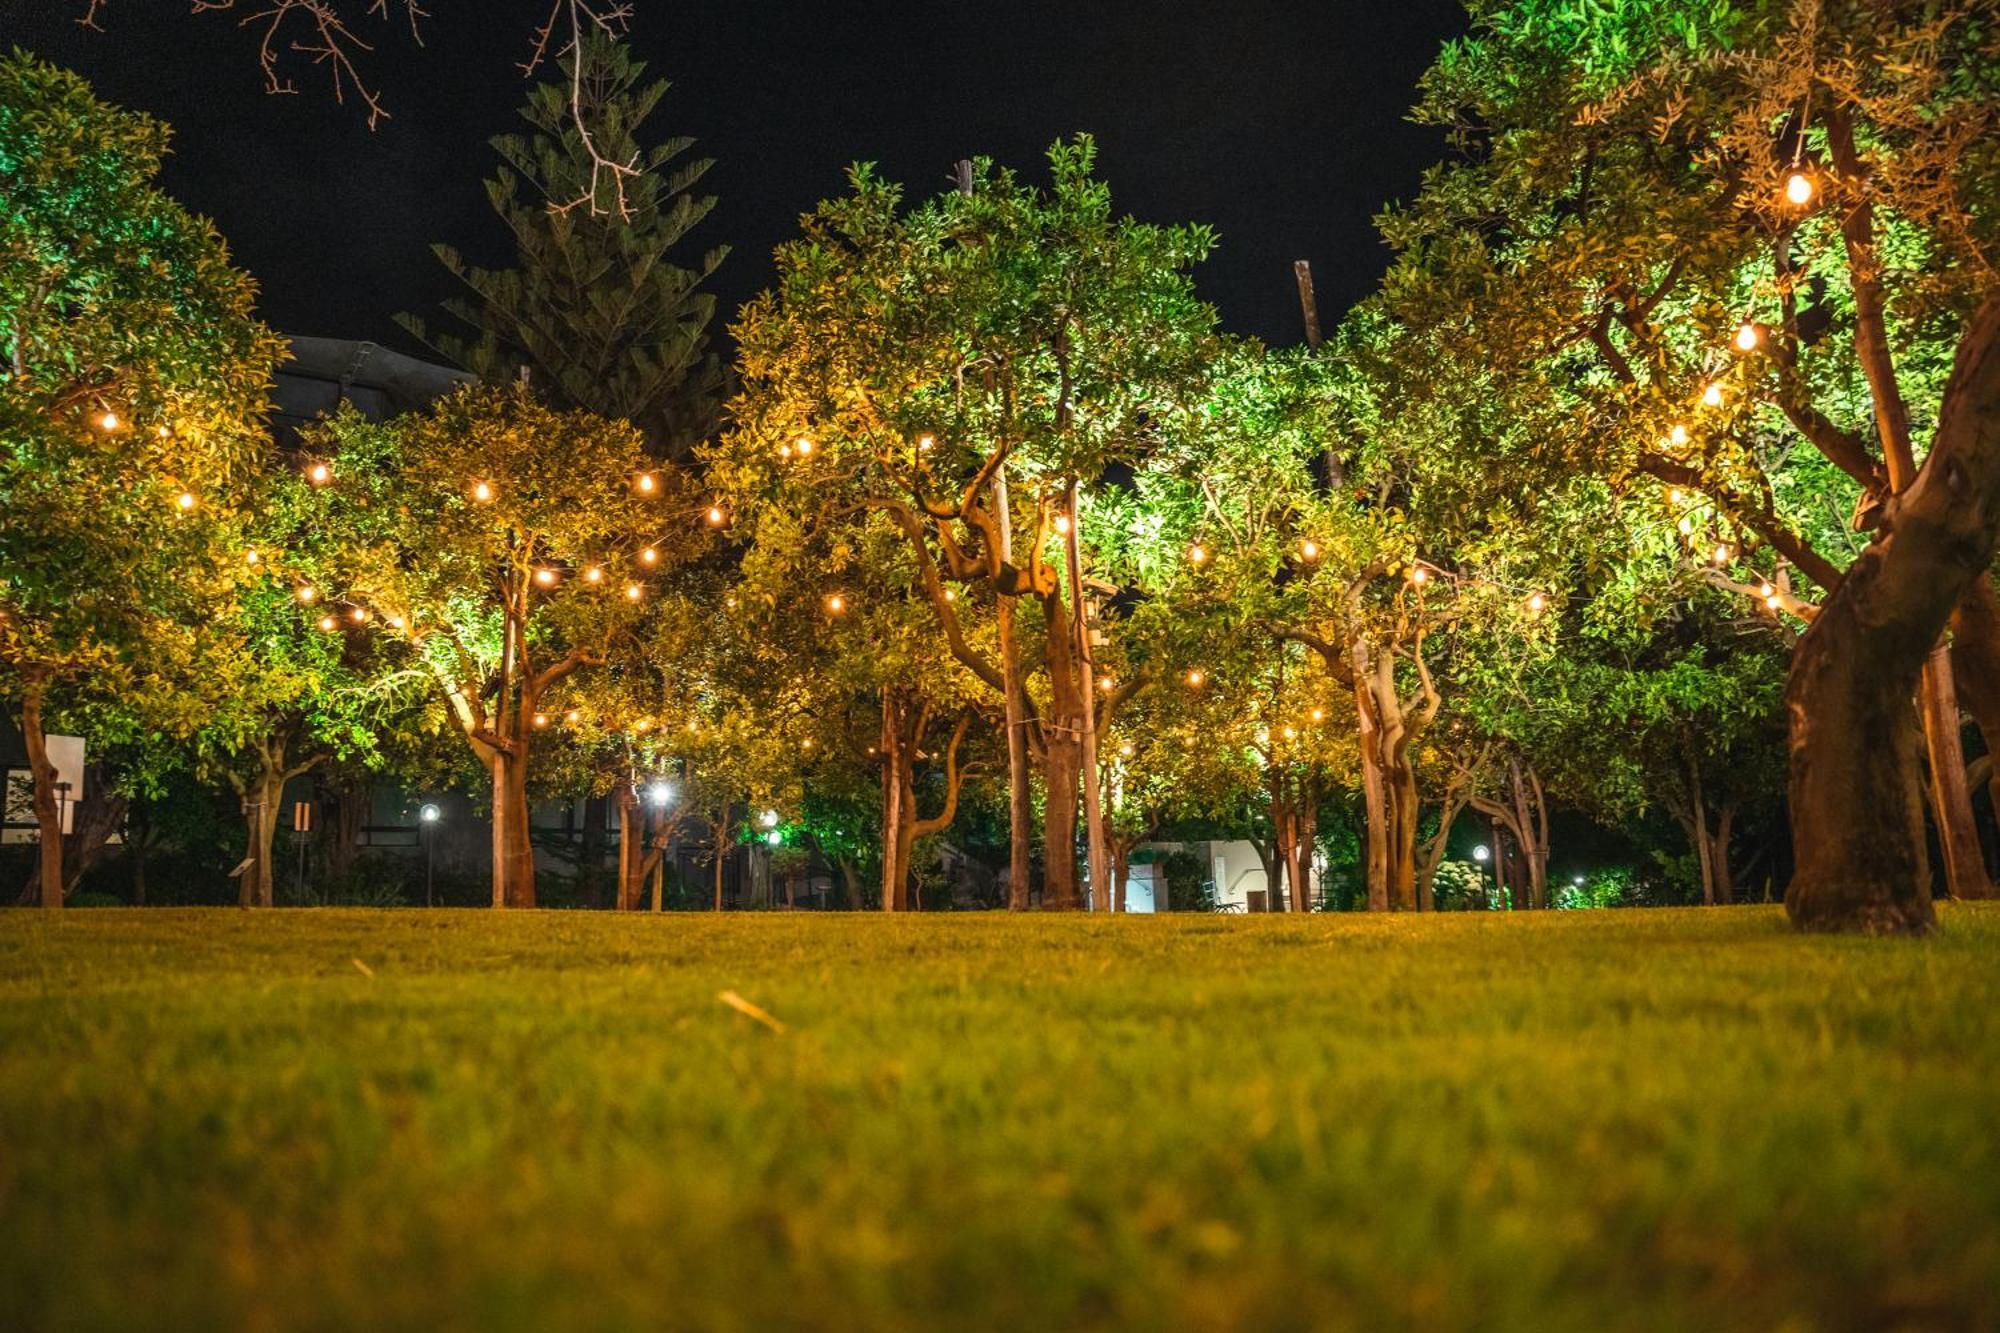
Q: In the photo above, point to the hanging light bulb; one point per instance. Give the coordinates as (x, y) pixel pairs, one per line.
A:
(1675, 496)
(1062, 524)
(593, 575)
(1722, 555)
(1125, 749)
(806, 744)
(251, 557)
(633, 592)
(769, 819)
(730, 601)
(109, 421)
(1106, 683)
(926, 443)
(647, 483)
(481, 491)
(1418, 574)
(573, 716)
(540, 719)
(1799, 188)
(1319, 715)
(319, 474)
(394, 622)
(643, 725)
(716, 518)
(327, 622)
(163, 430)
(1773, 601)
(649, 556)
(1291, 733)
(545, 577)
(1712, 395)
(1765, 589)
(835, 603)
(1678, 435)
(359, 615)
(186, 501)
(1536, 602)
(1197, 554)
(1308, 550)
(1196, 678)
(1748, 337)
(804, 445)
(307, 593)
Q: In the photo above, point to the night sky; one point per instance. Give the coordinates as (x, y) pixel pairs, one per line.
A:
(1281, 125)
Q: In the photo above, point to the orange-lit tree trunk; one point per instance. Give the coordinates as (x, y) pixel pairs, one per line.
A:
(47, 801)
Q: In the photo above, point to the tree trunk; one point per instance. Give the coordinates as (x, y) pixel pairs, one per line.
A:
(1951, 799)
(1020, 789)
(1975, 656)
(1857, 816)
(1375, 798)
(513, 852)
(1401, 785)
(263, 798)
(1725, 888)
(631, 846)
(898, 787)
(48, 805)
(1062, 763)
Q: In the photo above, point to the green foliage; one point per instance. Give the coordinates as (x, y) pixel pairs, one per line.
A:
(595, 307)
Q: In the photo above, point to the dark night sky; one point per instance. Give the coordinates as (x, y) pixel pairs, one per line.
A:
(1281, 125)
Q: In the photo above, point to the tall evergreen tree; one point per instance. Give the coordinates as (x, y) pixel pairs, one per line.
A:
(594, 307)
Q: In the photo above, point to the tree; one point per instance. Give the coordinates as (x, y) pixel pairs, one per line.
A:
(131, 408)
(1693, 240)
(964, 369)
(594, 307)
(505, 546)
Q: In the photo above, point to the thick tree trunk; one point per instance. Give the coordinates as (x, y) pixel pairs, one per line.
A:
(513, 852)
(48, 804)
(1020, 786)
(1401, 786)
(631, 846)
(1975, 656)
(1857, 815)
(1376, 815)
(1062, 763)
(1951, 798)
(898, 789)
(263, 798)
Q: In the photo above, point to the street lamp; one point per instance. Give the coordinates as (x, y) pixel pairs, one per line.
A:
(660, 793)
(769, 819)
(427, 818)
(774, 838)
(1480, 854)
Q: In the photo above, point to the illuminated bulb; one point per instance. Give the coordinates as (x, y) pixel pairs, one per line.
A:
(769, 819)
(540, 719)
(784, 451)
(926, 443)
(1125, 749)
(1106, 683)
(1196, 678)
(1197, 554)
(1686, 525)
(646, 483)
(1309, 549)
(109, 421)
(632, 592)
(1319, 715)
(804, 446)
(572, 716)
(1722, 555)
(481, 492)
(1675, 496)
(836, 604)
(359, 615)
(730, 601)
(1712, 395)
(1799, 188)
(1678, 435)
(642, 726)
(186, 501)
(806, 744)
(1536, 602)
(250, 557)
(1062, 524)
(1418, 574)
(162, 430)
(593, 575)
(319, 474)
(649, 556)
(1291, 734)
(1765, 590)
(327, 622)
(1748, 337)
(307, 593)
(774, 838)
(545, 577)
(715, 516)
(395, 622)
(1772, 601)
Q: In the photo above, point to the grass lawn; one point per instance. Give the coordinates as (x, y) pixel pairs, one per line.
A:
(1633, 1120)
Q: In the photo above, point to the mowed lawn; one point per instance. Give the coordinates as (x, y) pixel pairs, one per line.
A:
(1631, 1120)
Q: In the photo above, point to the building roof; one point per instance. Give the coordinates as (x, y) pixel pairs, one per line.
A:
(325, 372)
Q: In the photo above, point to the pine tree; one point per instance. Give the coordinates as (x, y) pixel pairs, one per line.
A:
(593, 307)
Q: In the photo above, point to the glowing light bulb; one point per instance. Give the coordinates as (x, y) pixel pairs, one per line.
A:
(1309, 550)
(327, 622)
(1722, 555)
(109, 421)
(836, 603)
(1678, 435)
(1772, 600)
(540, 719)
(359, 615)
(806, 744)
(716, 517)
(769, 819)
(395, 622)
(1799, 188)
(319, 474)
(647, 483)
(926, 443)
(1764, 589)
(307, 593)
(593, 575)
(1536, 602)
(774, 839)
(649, 556)
(1319, 715)
(545, 577)
(1418, 574)
(481, 491)
(804, 445)
(1291, 733)
(1712, 395)
(1125, 749)
(642, 726)
(633, 592)
(1748, 337)
(730, 601)
(1196, 678)
(163, 430)
(1197, 554)
(251, 557)
(950, 595)
(1106, 683)
(186, 501)
(572, 717)
(1675, 496)
(1062, 524)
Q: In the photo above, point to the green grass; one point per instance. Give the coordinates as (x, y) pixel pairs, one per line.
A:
(1633, 1120)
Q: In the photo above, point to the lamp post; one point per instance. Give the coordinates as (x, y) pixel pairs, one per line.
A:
(427, 819)
(1480, 854)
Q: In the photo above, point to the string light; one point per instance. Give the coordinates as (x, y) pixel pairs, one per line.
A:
(573, 716)
(1536, 602)
(1773, 601)
(1675, 496)
(1712, 395)
(186, 501)
(643, 725)
(806, 744)
(926, 443)
(1106, 683)
(250, 557)
(649, 556)
(1678, 435)
(774, 839)
(769, 819)
(545, 577)
(109, 421)
(1722, 555)
(1764, 589)
(730, 602)
(359, 615)
(319, 474)
(481, 491)
(950, 595)
(1748, 337)
(540, 719)
(307, 593)
(1125, 749)
(716, 518)
(836, 604)
(804, 445)
(1291, 733)
(395, 622)
(327, 622)
(1418, 574)
(1319, 715)
(1197, 554)
(1308, 550)
(1062, 524)
(633, 592)
(593, 575)
(647, 483)
(1799, 188)
(1196, 678)
(163, 430)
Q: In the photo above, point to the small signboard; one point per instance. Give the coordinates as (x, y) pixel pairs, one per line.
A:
(302, 816)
